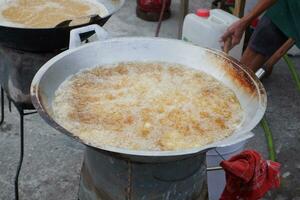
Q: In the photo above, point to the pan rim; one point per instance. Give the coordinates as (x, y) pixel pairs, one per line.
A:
(37, 102)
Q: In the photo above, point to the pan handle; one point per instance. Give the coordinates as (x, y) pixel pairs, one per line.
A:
(92, 19)
(75, 40)
(267, 67)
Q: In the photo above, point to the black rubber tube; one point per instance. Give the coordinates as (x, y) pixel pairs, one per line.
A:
(2, 106)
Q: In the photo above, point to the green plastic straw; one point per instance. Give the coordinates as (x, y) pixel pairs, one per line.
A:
(269, 138)
(293, 71)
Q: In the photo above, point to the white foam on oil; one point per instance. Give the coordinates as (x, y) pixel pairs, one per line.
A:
(147, 106)
(38, 7)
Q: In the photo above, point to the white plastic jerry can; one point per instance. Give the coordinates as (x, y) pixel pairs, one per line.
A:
(206, 27)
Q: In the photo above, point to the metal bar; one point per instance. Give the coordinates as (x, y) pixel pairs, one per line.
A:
(293, 71)
(129, 179)
(9, 104)
(2, 106)
(219, 154)
(184, 9)
(160, 18)
(30, 113)
(269, 137)
(214, 168)
(21, 112)
(260, 73)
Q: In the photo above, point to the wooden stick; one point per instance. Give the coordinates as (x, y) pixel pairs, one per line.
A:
(278, 54)
(239, 8)
(227, 45)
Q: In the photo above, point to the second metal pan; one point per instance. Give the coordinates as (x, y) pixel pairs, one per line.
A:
(48, 39)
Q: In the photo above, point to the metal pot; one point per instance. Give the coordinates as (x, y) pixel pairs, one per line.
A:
(244, 83)
(17, 69)
(52, 38)
(116, 173)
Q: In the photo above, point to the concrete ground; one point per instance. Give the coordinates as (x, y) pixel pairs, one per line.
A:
(52, 161)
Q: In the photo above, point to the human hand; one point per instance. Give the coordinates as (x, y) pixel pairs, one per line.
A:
(233, 34)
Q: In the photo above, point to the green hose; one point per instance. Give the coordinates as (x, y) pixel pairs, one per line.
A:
(293, 71)
(269, 138)
(264, 122)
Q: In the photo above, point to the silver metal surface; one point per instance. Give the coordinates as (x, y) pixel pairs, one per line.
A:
(260, 73)
(107, 176)
(184, 9)
(214, 168)
(244, 83)
(17, 69)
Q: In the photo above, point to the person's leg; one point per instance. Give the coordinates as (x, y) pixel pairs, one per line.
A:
(264, 42)
(252, 59)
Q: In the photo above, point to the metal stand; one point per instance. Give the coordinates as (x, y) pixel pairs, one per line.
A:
(22, 114)
(184, 9)
(2, 106)
(215, 168)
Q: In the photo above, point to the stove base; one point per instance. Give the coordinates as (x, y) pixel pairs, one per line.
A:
(17, 69)
(104, 176)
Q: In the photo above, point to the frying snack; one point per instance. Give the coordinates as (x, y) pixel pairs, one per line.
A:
(147, 106)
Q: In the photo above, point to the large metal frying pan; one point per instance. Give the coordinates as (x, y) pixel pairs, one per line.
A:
(244, 83)
(52, 38)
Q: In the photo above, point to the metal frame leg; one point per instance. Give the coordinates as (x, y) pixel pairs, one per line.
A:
(2, 106)
(22, 115)
(184, 9)
(9, 104)
(21, 112)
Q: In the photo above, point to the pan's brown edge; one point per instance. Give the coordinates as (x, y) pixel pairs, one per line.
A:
(239, 73)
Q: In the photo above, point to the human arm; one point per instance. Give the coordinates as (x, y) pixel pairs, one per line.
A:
(235, 32)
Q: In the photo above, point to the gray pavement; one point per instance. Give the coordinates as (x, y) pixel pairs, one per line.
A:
(52, 161)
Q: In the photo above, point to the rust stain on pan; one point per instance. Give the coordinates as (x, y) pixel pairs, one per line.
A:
(238, 73)
(240, 77)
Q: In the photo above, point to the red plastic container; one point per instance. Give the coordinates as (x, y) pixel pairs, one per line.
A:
(150, 9)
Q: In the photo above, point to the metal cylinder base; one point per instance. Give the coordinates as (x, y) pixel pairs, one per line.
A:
(106, 176)
(17, 69)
